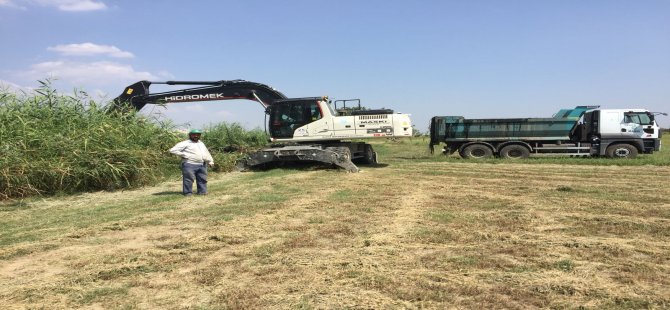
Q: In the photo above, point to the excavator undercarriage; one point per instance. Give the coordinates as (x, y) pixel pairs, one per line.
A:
(335, 156)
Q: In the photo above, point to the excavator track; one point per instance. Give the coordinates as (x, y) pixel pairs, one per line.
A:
(337, 156)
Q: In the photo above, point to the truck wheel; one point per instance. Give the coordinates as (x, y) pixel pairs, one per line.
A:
(477, 151)
(621, 150)
(514, 151)
(369, 155)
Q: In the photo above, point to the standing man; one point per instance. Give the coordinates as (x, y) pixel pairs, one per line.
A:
(194, 161)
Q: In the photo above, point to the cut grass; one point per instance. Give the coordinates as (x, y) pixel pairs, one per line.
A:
(425, 233)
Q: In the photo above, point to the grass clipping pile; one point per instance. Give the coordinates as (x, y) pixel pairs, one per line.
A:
(419, 234)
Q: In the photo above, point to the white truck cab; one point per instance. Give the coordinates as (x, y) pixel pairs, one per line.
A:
(622, 132)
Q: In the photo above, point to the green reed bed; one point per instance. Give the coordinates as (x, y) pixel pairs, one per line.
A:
(229, 141)
(53, 143)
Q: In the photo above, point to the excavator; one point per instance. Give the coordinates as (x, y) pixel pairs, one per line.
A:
(306, 129)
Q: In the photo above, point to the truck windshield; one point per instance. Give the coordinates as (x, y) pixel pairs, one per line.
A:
(641, 118)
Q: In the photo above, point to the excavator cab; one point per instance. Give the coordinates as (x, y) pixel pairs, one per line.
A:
(288, 115)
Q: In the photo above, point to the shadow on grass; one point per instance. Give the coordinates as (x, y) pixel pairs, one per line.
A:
(291, 165)
(374, 166)
(168, 193)
(14, 205)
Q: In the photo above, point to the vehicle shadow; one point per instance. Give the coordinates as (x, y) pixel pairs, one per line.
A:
(415, 157)
(307, 166)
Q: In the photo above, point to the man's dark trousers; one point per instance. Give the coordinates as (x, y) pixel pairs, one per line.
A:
(197, 172)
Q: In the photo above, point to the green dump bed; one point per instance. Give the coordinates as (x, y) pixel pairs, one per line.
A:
(457, 128)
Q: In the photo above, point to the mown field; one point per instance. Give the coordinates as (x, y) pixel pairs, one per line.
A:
(418, 231)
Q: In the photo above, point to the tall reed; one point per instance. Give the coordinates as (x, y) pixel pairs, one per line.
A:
(53, 143)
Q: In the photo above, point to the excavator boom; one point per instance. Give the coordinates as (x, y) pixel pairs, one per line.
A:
(137, 95)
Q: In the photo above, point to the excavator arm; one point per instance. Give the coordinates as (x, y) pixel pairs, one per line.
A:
(137, 95)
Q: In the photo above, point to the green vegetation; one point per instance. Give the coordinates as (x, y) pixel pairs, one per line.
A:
(54, 143)
(224, 137)
(227, 143)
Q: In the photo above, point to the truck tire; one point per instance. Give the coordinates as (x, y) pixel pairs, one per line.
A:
(369, 155)
(621, 150)
(477, 151)
(514, 151)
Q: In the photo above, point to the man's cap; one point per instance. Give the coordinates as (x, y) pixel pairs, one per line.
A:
(195, 131)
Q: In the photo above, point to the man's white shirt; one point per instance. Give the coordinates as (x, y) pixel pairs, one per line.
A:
(192, 152)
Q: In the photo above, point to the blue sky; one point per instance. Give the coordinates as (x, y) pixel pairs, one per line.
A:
(471, 58)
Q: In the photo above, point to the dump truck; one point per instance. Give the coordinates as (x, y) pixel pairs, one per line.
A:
(580, 131)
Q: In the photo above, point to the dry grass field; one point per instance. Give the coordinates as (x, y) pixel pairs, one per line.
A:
(418, 231)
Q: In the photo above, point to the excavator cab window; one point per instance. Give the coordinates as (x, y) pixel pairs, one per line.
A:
(286, 117)
(314, 112)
